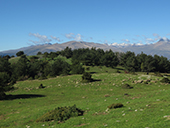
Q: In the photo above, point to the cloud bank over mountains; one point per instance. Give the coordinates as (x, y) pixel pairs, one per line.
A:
(137, 40)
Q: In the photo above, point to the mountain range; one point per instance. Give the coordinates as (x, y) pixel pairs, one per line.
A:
(161, 48)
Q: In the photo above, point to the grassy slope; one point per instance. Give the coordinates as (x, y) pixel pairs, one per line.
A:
(145, 106)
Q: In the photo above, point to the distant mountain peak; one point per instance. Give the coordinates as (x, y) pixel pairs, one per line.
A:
(164, 39)
(125, 45)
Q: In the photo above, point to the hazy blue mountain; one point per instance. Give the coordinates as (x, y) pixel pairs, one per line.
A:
(162, 47)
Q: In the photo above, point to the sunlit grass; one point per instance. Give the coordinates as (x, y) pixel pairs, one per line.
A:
(146, 105)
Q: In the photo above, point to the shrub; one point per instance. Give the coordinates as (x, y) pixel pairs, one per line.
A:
(61, 114)
(5, 84)
(30, 78)
(20, 53)
(41, 86)
(145, 82)
(42, 77)
(158, 74)
(86, 77)
(2, 95)
(165, 80)
(118, 71)
(117, 105)
(133, 73)
(126, 86)
(36, 76)
(88, 68)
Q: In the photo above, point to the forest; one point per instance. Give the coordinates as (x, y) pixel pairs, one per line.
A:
(46, 65)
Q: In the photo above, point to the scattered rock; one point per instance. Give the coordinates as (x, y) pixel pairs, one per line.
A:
(107, 95)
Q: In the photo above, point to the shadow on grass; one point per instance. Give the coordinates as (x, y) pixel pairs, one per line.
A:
(119, 68)
(94, 80)
(93, 72)
(22, 96)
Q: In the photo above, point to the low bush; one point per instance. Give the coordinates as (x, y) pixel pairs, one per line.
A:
(133, 73)
(41, 86)
(61, 114)
(86, 77)
(117, 71)
(145, 82)
(88, 68)
(42, 77)
(126, 86)
(165, 80)
(158, 74)
(117, 105)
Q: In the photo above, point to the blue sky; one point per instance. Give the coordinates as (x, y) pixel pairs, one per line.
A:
(29, 22)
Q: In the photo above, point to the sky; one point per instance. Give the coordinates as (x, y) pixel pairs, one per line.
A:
(31, 22)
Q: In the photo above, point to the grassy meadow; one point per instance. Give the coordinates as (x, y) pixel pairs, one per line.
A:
(145, 105)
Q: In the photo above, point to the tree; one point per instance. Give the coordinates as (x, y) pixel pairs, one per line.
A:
(57, 68)
(109, 59)
(20, 53)
(4, 84)
(39, 53)
(67, 52)
(124, 57)
(21, 68)
(162, 64)
(76, 67)
(132, 64)
(149, 64)
(5, 66)
(142, 67)
(52, 55)
(87, 77)
(6, 81)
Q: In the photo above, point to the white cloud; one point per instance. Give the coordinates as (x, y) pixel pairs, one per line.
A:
(78, 37)
(105, 42)
(157, 37)
(126, 40)
(42, 38)
(149, 40)
(89, 38)
(55, 38)
(69, 35)
(35, 42)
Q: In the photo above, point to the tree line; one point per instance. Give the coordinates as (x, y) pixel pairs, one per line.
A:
(46, 65)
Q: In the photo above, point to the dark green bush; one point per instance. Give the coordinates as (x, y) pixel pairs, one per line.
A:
(86, 77)
(126, 86)
(158, 74)
(118, 71)
(41, 86)
(88, 68)
(165, 80)
(61, 114)
(133, 73)
(117, 105)
(42, 77)
(145, 82)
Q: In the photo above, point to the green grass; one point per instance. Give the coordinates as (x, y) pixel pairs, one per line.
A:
(14, 59)
(146, 105)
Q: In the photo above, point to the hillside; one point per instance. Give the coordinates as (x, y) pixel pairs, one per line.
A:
(146, 104)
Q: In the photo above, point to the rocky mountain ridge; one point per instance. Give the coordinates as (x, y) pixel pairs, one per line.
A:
(161, 48)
